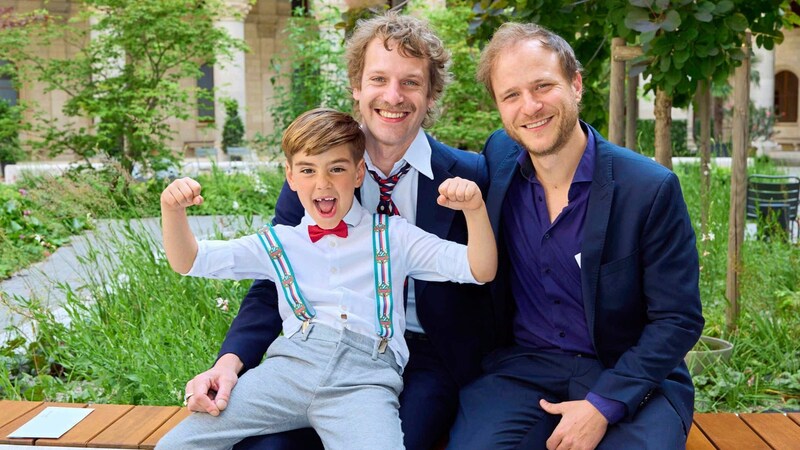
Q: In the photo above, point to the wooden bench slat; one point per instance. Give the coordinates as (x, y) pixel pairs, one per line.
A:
(153, 439)
(10, 427)
(795, 417)
(134, 427)
(697, 440)
(779, 431)
(97, 421)
(727, 432)
(11, 409)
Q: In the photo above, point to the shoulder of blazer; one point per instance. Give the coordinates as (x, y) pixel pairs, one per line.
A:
(613, 161)
(462, 163)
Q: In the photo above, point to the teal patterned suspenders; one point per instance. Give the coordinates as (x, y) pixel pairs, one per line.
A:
(304, 311)
(283, 268)
(384, 300)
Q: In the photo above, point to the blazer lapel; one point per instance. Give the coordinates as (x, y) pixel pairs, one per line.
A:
(499, 183)
(594, 233)
(430, 216)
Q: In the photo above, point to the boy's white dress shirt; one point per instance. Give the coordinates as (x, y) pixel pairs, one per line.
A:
(336, 275)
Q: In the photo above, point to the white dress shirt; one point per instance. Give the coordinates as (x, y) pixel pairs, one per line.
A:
(404, 197)
(336, 275)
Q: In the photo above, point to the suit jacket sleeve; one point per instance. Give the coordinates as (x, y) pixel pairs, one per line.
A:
(258, 321)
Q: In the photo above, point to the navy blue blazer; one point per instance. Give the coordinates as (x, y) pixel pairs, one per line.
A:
(453, 315)
(639, 273)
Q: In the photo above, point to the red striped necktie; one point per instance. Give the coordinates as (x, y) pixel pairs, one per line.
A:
(386, 186)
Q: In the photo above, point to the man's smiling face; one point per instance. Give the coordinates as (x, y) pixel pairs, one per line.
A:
(393, 96)
(538, 104)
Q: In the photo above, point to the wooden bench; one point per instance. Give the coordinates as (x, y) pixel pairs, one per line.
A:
(126, 427)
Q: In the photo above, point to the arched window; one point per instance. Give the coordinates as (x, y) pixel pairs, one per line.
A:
(786, 96)
(7, 90)
(205, 91)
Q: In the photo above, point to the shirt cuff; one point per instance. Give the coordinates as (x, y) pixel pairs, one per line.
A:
(612, 410)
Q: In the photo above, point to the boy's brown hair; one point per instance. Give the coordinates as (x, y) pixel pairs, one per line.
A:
(319, 130)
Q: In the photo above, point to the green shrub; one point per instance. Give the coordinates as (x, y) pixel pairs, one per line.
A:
(233, 131)
(646, 137)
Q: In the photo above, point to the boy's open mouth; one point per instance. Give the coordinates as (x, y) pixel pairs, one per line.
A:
(326, 206)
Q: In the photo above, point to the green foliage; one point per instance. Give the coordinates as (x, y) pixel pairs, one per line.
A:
(646, 133)
(310, 73)
(132, 317)
(685, 42)
(10, 126)
(124, 81)
(764, 371)
(233, 131)
(468, 113)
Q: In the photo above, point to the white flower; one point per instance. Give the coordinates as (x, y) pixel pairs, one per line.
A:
(235, 205)
(222, 303)
(123, 278)
(707, 237)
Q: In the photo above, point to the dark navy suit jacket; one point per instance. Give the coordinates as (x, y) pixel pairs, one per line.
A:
(453, 315)
(639, 273)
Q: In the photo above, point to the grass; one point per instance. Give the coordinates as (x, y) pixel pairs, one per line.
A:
(139, 332)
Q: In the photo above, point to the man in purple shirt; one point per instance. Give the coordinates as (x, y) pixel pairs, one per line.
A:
(598, 284)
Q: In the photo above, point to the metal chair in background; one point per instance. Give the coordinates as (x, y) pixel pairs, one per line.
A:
(772, 200)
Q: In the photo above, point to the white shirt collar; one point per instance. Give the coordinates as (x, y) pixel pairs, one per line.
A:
(418, 156)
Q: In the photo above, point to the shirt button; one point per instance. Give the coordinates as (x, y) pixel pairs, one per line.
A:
(547, 236)
(547, 270)
(562, 334)
(557, 302)
(331, 243)
(334, 270)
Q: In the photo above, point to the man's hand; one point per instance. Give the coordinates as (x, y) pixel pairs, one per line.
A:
(582, 426)
(180, 194)
(460, 194)
(211, 390)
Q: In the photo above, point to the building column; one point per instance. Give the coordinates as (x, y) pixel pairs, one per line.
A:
(229, 74)
(763, 95)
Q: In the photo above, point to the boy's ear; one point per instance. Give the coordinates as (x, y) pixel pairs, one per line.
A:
(361, 171)
(287, 168)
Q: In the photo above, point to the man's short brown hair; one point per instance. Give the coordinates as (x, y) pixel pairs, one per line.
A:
(510, 34)
(413, 39)
(319, 130)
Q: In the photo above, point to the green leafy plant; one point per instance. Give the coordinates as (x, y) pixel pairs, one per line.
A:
(233, 131)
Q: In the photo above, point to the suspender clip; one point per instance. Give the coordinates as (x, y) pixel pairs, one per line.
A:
(305, 325)
(383, 344)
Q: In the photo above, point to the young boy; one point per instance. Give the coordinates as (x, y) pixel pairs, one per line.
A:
(338, 365)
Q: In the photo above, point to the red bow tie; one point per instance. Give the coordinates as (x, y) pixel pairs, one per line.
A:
(316, 233)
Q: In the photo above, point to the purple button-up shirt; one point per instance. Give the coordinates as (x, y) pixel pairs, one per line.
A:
(546, 280)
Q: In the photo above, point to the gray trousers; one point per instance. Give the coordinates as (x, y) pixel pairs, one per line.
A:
(334, 381)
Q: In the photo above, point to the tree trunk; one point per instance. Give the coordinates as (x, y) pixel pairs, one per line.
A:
(631, 112)
(741, 99)
(703, 98)
(663, 113)
(616, 99)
